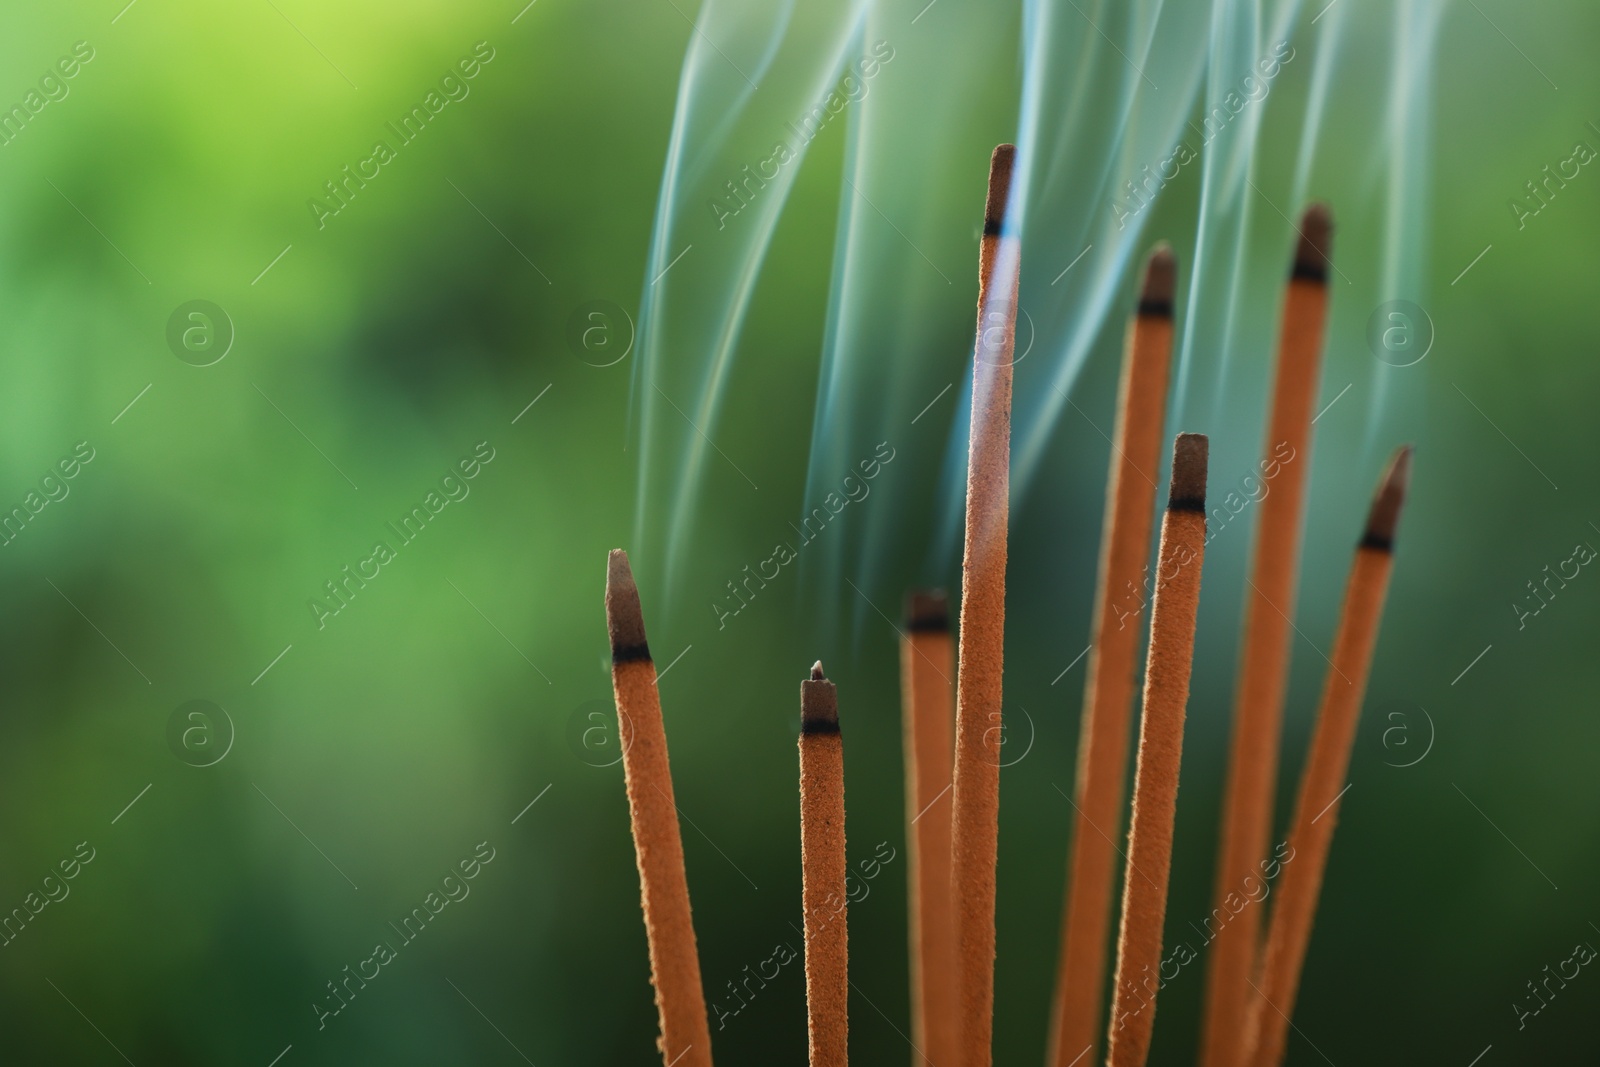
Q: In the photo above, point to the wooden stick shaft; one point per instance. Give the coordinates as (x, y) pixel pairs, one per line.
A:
(1109, 689)
(927, 665)
(976, 808)
(1317, 809)
(674, 958)
(1155, 793)
(824, 896)
(1264, 669)
(1155, 797)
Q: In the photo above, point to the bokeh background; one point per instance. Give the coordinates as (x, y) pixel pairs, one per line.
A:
(351, 760)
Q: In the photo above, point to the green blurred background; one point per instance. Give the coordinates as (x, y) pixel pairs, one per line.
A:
(357, 761)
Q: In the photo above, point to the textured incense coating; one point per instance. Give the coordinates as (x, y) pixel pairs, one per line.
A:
(1317, 808)
(1155, 789)
(822, 866)
(663, 887)
(927, 666)
(976, 818)
(1109, 687)
(1264, 665)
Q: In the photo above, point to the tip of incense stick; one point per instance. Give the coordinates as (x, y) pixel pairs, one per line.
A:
(1189, 454)
(927, 611)
(994, 208)
(1384, 515)
(1160, 282)
(1311, 256)
(624, 616)
(819, 704)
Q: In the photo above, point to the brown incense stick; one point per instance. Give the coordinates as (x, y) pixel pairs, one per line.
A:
(1108, 690)
(976, 807)
(1264, 666)
(822, 865)
(927, 665)
(1322, 783)
(1155, 788)
(663, 886)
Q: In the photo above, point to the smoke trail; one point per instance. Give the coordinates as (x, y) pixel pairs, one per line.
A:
(1105, 118)
(1098, 139)
(903, 268)
(1408, 127)
(732, 160)
(1245, 64)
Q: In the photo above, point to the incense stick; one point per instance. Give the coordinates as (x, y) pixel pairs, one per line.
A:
(976, 808)
(1323, 781)
(663, 886)
(1264, 666)
(1155, 790)
(1108, 690)
(927, 664)
(822, 864)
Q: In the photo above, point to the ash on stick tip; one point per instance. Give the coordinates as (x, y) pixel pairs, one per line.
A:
(927, 611)
(1189, 456)
(1384, 516)
(994, 208)
(819, 704)
(624, 616)
(1160, 282)
(1315, 249)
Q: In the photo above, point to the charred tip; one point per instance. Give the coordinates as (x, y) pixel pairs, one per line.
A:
(624, 616)
(1315, 249)
(1189, 456)
(927, 611)
(994, 208)
(819, 704)
(1160, 282)
(1384, 515)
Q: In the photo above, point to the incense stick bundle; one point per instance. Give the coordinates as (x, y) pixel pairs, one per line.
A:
(1155, 791)
(1264, 666)
(1321, 783)
(823, 872)
(1108, 690)
(663, 886)
(976, 807)
(927, 663)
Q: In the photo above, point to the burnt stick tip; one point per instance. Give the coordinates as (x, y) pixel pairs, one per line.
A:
(1384, 516)
(994, 208)
(927, 611)
(624, 616)
(1189, 455)
(1315, 249)
(819, 704)
(1160, 282)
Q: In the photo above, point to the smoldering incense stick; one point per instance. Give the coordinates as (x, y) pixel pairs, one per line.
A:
(976, 807)
(927, 666)
(663, 886)
(1323, 781)
(1108, 690)
(1155, 789)
(823, 871)
(1264, 665)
